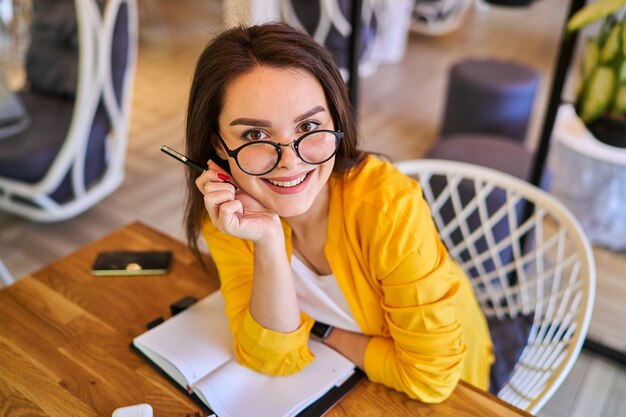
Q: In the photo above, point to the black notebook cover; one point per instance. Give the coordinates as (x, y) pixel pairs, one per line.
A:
(315, 409)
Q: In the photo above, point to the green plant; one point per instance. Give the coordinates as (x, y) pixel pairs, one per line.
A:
(602, 92)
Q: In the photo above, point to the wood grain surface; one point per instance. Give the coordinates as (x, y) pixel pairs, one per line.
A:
(65, 334)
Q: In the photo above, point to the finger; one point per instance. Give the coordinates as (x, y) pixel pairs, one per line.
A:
(208, 183)
(228, 215)
(202, 180)
(215, 198)
(221, 174)
(213, 177)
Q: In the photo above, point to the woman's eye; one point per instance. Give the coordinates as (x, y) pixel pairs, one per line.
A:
(308, 126)
(253, 135)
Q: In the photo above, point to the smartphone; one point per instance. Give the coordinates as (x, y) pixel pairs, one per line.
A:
(116, 263)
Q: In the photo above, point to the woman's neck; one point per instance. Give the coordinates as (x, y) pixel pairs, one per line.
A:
(309, 234)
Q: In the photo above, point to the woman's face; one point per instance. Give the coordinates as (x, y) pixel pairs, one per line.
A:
(278, 105)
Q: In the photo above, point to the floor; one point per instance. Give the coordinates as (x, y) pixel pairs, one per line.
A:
(399, 111)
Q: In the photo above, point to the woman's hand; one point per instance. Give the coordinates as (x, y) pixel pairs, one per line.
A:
(232, 210)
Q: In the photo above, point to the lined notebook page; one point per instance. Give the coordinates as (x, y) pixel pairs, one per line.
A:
(194, 342)
(236, 391)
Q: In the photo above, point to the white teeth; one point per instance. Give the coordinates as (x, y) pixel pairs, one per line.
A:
(288, 183)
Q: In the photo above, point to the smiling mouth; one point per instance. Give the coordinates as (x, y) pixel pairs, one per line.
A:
(288, 184)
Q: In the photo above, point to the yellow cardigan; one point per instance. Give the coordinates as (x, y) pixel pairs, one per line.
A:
(383, 248)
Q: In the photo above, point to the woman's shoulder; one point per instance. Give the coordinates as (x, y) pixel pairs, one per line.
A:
(375, 183)
(376, 175)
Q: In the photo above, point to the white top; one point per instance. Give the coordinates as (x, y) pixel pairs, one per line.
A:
(320, 297)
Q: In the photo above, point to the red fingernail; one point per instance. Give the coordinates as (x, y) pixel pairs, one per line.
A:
(223, 177)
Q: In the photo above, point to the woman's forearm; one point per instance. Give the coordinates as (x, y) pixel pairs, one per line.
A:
(273, 302)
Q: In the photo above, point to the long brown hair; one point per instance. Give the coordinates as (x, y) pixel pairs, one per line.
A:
(236, 52)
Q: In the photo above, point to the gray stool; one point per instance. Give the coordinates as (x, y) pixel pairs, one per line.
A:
(491, 151)
(490, 96)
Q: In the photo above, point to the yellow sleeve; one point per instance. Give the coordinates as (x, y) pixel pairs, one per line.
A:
(256, 347)
(423, 355)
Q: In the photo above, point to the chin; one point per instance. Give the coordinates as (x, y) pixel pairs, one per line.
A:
(291, 209)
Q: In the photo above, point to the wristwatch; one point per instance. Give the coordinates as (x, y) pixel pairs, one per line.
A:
(321, 331)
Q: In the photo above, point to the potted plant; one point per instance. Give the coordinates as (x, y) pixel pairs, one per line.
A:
(601, 101)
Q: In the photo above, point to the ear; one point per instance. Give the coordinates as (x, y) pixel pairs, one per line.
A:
(219, 150)
(219, 156)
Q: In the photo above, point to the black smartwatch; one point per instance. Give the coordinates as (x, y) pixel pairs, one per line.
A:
(321, 331)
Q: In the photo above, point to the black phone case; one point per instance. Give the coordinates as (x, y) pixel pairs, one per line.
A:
(115, 263)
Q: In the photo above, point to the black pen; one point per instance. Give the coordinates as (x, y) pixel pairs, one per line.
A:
(182, 158)
(190, 163)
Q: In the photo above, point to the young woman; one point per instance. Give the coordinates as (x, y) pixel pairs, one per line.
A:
(303, 226)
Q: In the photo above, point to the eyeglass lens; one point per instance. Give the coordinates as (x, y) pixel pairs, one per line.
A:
(315, 148)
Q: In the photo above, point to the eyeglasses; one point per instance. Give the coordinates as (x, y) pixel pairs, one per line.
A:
(262, 156)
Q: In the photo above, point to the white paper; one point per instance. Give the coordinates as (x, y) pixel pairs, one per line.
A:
(236, 391)
(195, 342)
(195, 348)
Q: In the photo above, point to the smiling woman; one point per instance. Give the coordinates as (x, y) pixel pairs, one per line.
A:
(275, 143)
(316, 230)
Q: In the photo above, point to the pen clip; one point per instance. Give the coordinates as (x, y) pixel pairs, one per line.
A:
(173, 153)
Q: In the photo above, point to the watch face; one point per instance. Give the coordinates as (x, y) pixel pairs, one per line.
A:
(321, 330)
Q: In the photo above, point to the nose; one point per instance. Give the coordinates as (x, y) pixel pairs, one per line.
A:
(289, 157)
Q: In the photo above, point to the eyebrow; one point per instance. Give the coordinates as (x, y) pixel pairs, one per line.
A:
(306, 115)
(251, 122)
(266, 123)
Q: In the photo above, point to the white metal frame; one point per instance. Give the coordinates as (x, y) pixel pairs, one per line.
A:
(556, 275)
(95, 32)
(5, 276)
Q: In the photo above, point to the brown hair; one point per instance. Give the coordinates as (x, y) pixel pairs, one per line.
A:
(236, 52)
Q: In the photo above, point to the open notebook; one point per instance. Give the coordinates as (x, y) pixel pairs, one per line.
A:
(194, 349)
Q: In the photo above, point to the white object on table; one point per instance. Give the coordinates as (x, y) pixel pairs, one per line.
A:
(139, 410)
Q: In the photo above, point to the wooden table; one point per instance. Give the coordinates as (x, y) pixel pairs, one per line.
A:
(64, 342)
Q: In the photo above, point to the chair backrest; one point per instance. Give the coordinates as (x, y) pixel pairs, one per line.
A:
(328, 22)
(88, 162)
(526, 256)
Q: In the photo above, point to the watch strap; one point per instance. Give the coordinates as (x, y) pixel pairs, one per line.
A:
(321, 330)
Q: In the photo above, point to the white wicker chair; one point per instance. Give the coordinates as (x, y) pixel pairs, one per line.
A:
(541, 267)
(96, 32)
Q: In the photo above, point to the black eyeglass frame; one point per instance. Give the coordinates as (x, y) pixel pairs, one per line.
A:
(278, 146)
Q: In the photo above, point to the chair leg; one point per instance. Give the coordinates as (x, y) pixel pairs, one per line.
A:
(5, 276)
